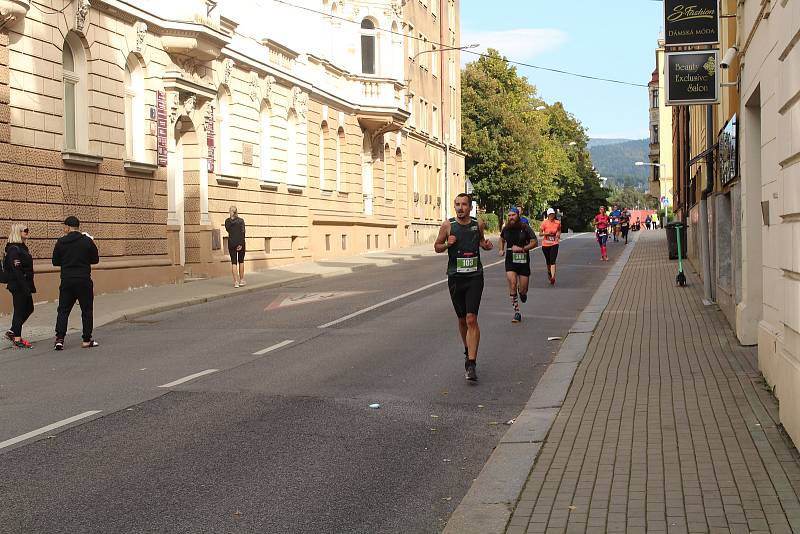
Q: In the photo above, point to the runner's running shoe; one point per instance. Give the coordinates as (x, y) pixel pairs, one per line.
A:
(23, 344)
(517, 317)
(523, 298)
(471, 374)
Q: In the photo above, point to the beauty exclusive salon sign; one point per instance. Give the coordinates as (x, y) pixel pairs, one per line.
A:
(692, 78)
(690, 22)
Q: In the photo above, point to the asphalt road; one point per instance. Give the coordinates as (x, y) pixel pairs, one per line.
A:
(281, 440)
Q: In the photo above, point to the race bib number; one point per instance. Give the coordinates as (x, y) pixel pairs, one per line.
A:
(466, 265)
(550, 238)
(519, 257)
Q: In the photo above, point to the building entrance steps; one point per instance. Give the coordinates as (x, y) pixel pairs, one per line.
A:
(134, 303)
(667, 426)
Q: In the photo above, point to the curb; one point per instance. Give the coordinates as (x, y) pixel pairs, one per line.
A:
(488, 505)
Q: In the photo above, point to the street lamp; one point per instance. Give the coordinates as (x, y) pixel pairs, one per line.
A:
(414, 59)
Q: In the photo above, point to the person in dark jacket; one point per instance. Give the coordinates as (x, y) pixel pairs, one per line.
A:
(234, 225)
(18, 262)
(75, 253)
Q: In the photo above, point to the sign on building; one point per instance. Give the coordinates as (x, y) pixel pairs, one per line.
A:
(692, 78)
(161, 128)
(729, 152)
(691, 23)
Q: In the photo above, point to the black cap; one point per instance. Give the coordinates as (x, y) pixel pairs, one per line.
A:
(72, 222)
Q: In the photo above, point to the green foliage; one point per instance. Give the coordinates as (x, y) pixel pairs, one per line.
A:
(615, 160)
(520, 156)
(491, 221)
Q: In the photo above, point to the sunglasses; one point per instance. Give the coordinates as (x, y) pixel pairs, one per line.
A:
(26, 230)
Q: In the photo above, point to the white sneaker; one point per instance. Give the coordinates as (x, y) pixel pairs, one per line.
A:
(242, 283)
(236, 284)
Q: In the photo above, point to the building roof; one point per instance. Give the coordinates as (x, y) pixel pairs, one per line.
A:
(654, 77)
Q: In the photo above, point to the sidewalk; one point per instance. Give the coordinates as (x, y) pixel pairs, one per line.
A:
(667, 426)
(111, 307)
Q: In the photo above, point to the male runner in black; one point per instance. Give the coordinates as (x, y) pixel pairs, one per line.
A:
(516, 241)
(462, 237)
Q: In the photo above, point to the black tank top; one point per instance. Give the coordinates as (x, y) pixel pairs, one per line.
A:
(464, 258)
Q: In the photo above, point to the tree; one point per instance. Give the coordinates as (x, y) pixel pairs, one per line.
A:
(630, 197)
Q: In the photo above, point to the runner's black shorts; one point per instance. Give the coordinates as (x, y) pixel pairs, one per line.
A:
(237, 256)
(550, 254)
(522, 269)
(465, 292)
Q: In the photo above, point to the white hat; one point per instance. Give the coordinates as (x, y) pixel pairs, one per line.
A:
(551, 211)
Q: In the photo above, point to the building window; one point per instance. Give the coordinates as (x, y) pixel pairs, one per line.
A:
(76, 111)
(224, 131)
(435, 124)
(654, 138)
(410, 38)
(339, 145)
(266, 143)
(368, 47)
(434, 61)
(413, 118)
(654, 103)
(323, 133)
(291, 148)
(344, 241)
(134, 110)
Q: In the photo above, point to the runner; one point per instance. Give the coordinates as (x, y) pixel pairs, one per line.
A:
(550, 230)
(516, 241)
(615, 213)
(601, 224)
(625, 224)
(462, 237)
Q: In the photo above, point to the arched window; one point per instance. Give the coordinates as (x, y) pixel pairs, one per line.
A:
(76, 110)
(368, 47)
(323, 134)
(340, 143)
(291, 148)
(266, 143)
(223, 131)
(134, 110)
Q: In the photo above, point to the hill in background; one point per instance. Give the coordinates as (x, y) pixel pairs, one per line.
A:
(614, 159)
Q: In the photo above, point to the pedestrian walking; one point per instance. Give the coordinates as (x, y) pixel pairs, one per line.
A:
(625, 224)
(18, 266)
(75, 253)
(234, 225)
(517, 239)
(648, 221)
(462, 237)
(551, 236)
(654, 220)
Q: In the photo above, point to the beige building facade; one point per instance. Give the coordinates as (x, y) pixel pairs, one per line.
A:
(770, 96)
(148, 120)
(661, 172)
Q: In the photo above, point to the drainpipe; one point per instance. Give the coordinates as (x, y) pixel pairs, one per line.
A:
(705, 239)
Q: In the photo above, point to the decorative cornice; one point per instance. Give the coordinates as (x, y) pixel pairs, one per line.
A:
(81, 15)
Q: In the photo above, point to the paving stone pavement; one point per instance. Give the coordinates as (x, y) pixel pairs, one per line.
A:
(667, 427)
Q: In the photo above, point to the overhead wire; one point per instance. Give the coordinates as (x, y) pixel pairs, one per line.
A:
(480, 54)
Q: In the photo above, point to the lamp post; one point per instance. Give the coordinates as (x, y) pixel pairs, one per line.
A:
(659, 165)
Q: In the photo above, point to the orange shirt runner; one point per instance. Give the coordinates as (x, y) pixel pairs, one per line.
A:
(550, 230)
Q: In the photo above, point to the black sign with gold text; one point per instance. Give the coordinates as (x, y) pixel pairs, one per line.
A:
(691, 22)
(692, 78)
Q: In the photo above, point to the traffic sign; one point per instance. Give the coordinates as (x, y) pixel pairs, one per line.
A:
(665, 201)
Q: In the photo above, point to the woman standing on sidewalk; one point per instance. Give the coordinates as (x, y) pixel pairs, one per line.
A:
(18, 263)
(234, 225)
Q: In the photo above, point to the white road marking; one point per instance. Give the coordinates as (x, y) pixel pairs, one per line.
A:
(274, 347)
(48, 428)
(190, 377)
(414, 292)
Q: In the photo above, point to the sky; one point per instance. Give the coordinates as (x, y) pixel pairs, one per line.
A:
(604, 38)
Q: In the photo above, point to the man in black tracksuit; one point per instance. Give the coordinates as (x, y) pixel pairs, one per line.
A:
(75, 253)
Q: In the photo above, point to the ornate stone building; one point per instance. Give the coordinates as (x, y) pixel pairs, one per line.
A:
(149, 119)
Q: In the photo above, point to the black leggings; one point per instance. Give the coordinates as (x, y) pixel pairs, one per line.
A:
(550, 254)
(23, 308)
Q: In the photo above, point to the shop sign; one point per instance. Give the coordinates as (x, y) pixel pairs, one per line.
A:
(161, 128)
(729, 152)
(691, 22)
(692, 78)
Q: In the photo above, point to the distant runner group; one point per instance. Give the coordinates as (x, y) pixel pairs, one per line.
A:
(463, 236)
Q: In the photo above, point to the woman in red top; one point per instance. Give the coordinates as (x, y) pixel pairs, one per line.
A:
(600, 223)
(550, 230)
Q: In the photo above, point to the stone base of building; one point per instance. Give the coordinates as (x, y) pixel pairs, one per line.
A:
(779, 363)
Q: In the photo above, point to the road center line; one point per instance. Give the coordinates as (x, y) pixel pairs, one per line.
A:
(48, 428)
(405, 295)
(190, 377)
(274, 347)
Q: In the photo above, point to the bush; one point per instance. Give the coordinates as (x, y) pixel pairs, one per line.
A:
(491, 221)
